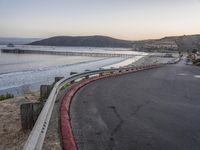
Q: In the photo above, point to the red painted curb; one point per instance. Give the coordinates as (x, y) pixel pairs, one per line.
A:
(68, 141)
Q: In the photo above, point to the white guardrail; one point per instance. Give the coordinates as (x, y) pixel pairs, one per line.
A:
(37, 135)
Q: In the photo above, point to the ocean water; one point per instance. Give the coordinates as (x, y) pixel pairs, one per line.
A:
(22, 73)
(10, 63)
(80, 49)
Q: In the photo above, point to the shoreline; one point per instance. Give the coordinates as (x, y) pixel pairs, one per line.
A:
(63, 70)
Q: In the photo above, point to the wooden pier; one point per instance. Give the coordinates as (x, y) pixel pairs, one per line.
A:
(67, 53)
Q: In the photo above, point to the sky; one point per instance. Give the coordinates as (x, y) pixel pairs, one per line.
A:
(124, 19)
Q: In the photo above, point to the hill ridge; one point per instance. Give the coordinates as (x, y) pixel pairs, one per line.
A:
(90, 41)
(170, 43)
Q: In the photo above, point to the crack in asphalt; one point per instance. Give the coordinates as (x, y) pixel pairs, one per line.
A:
(136, 110)
(121, 121)
(118, 126)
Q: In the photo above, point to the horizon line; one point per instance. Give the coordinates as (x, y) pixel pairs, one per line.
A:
(23, 37)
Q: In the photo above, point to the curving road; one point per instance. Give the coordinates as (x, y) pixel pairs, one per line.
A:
(157, 109)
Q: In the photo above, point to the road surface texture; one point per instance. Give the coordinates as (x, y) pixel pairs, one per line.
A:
(156, 109)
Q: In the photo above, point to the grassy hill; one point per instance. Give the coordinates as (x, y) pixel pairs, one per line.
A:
(89, 41)
(173, 43)
(188, 42)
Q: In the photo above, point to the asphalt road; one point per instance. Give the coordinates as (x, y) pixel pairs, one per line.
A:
(157, 109)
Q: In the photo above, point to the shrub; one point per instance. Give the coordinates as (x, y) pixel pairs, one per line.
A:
(197, 61)
(65, 86)
(6, 96)
(194, 51)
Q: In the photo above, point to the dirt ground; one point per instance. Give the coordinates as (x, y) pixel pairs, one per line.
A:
(12, 137)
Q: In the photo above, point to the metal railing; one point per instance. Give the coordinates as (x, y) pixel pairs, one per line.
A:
(37, 135)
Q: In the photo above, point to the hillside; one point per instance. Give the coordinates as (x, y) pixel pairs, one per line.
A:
(173, 43)
(16, 41)
(89, 41)
(188, 42)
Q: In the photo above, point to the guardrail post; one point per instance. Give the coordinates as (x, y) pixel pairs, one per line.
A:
(58, 79)
(87, 77)
(72, 82)
(29, 114)
(72, 73)
(87, 70)
(45, 90)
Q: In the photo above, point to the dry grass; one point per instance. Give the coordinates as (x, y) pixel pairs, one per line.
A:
(12, 137)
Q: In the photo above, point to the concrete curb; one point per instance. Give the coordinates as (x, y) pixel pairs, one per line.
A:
(68, 141)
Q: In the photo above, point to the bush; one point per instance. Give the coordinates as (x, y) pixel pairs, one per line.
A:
(197, 61)
(194, 51)
(65, 86)
(6, 96)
